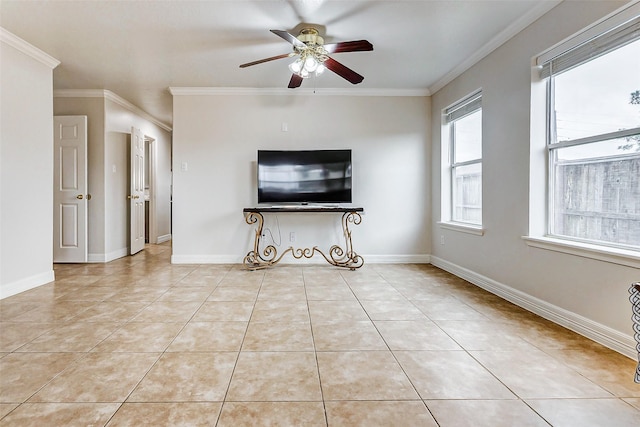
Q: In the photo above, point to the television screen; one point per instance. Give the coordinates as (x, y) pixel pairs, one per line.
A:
(313, 176)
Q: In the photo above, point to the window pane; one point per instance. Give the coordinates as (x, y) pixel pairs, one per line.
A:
(467, 193)
(468, 137)
(597, 193)
(596, 98)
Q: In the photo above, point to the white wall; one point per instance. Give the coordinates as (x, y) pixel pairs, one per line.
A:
(26, 166)
(217, 136)
(585, 294)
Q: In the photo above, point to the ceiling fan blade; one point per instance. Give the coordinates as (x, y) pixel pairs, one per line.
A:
(289, 37)
(343, 71)
(295, 81)
(260, 61)
(354, 46)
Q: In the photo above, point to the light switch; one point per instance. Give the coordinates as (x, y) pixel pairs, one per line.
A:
(113, 168)
(285, 127)
(184, 166)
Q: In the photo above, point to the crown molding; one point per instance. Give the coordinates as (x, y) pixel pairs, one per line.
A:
(107, 94)
(28, 49)
(516, 27)
(217, 91)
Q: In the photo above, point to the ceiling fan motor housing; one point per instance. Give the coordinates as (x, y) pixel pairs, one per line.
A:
(310, 36)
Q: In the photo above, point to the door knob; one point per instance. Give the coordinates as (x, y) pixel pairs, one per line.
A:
(88, 196)
(79, 197)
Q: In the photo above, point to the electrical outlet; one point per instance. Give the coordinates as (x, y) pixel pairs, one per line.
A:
(292, 236)
(442, 239)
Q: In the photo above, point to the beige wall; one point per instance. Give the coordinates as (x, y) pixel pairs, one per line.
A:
(218, 137)
(585, 294)
(26, 167)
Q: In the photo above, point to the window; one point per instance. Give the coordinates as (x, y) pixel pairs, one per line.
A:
(464, 162)
(593, 140)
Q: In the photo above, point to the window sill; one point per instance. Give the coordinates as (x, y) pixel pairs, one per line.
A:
(464, 228)
(624, 257)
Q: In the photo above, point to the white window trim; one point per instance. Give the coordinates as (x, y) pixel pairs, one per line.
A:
(538, 169)
(462, 227)
(619, 256)
(448, 166)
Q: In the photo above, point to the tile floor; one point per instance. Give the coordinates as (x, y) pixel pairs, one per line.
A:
(139, 341)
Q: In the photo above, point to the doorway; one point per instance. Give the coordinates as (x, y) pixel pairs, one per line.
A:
(150, 186)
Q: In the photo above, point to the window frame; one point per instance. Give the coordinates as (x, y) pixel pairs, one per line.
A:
(540, 171)
(464, 107)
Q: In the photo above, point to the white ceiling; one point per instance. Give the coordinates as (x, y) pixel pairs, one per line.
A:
(138, 49)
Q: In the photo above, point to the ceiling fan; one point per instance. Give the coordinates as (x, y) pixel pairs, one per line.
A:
(313, 56)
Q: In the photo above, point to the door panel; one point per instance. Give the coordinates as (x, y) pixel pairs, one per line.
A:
(136, 196)
(70, 189)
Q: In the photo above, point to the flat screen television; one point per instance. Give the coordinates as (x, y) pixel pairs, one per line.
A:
(304, 176)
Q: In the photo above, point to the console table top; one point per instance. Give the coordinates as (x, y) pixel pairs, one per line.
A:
(303, 208)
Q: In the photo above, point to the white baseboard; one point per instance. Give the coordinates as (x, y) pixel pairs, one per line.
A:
(288, 259)
(101, 258)
(615, 340)
(9, 289)
(164, 238)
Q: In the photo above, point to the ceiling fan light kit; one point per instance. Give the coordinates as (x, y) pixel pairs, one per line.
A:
(313, 56)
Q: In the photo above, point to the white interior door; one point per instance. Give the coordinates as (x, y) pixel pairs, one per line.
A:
(136, 196)
(70, 196)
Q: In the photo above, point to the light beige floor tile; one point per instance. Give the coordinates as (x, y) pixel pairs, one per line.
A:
(587, 412)
(98, 377)
(250, 414)
(450, 375)
(633, 401)
(168, 311)
(533, 374)
(223, 311)
(72, 337)
(137, 337)
(415, 335)
(139, 293)
(336, 311)
(392, 310)
(14, 335)
(379, 414)
(90, 293)
(23, 374)
(166, 414)
(280, 311)
(186, 293)
(449, 309)
(278, 336)
(5, 408)
(111, 311)
(210, 336)
(234, 293)
(275, 376)
(54, 311)
(187, 377)
(60, 414)
(370, 375)
(347, 336)
(482, 335)
(484, 413)
(282, 292)
(339, 292)
(612, 371)
(381, 292)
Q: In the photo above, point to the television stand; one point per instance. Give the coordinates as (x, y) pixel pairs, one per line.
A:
(337, 256)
